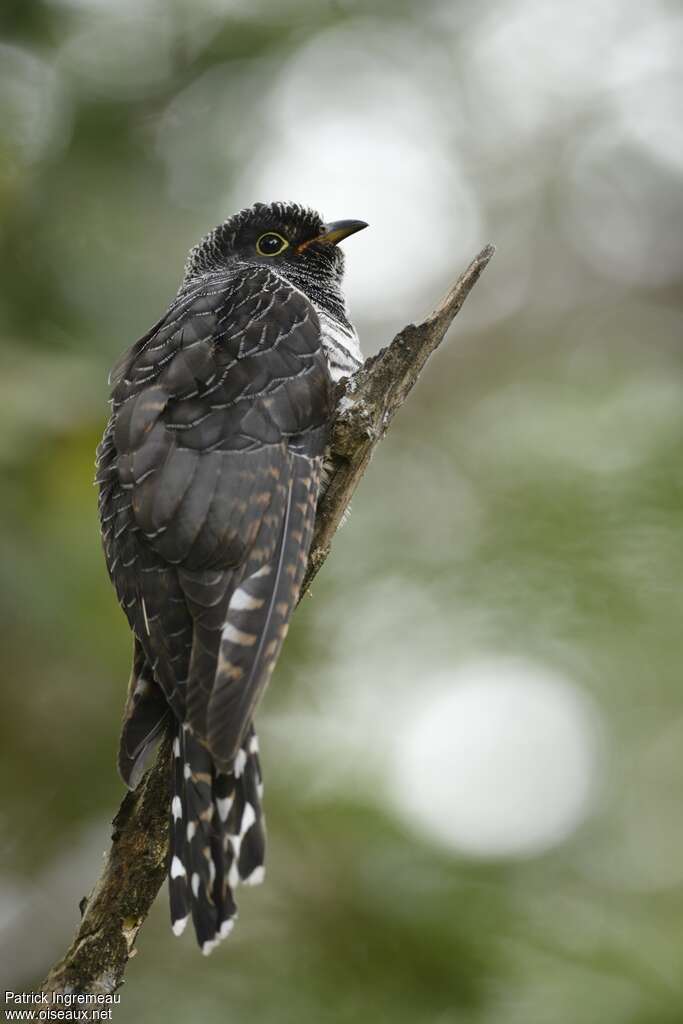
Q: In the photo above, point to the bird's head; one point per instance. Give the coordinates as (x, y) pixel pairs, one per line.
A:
(288, 238)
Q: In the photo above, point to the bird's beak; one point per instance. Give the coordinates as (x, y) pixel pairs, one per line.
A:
(334, 233)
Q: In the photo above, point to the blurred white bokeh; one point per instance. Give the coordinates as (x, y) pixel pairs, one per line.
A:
(646, 86)
(528, 75)
(498, 759)
(489, 757)
(374, 150)
(119, 52)
(34, 114)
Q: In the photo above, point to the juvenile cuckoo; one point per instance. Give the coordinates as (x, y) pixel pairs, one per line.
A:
(209, 472)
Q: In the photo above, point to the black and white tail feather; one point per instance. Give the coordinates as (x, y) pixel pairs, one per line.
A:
(217, 836)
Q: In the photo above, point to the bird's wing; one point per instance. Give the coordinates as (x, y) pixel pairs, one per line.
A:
(145, 715)
(219, 424)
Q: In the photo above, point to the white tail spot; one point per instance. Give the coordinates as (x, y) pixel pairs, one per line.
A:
(240, 762)
(238, 636)
(256, 877)
(177, 868)
(241, 601)
(248, 819)
(179, 925)
(224, 805)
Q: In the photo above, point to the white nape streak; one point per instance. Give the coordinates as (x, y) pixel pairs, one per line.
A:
(194, 882)
(176, 747)
(177, 868)
(176, 808)
(190, 830)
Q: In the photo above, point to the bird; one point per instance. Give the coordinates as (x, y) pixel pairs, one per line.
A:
(209, 471)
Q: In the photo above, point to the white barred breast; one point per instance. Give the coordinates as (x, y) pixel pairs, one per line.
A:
(341, 345)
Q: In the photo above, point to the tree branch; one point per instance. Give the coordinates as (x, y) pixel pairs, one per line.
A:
(135, 866)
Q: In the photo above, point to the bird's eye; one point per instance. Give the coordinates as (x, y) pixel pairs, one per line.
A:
(271, 244)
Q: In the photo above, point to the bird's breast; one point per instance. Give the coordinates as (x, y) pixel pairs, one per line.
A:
(341, 345)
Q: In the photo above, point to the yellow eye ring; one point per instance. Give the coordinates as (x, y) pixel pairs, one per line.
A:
(271, 244)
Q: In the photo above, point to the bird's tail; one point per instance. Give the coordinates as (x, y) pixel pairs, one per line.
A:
(217, 835)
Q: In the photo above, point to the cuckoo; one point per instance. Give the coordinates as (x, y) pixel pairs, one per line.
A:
(209, 472)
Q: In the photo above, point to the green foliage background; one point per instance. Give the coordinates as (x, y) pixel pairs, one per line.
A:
(527, 502)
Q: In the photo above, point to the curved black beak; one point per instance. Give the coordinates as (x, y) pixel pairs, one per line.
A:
(334, 232)
(338, 230)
